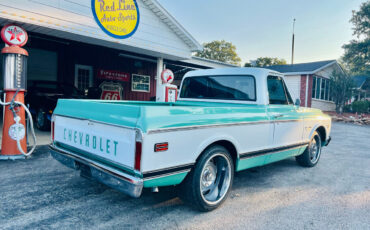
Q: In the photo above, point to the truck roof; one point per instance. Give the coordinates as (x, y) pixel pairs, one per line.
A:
(255, 71)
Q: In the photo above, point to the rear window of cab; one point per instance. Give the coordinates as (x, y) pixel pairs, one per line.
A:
(222, 87)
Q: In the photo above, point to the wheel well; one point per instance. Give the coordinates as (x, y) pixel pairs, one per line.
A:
(322, 133)
(227, 145)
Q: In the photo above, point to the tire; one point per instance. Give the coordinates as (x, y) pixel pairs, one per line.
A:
(311, 156)
(208, 185)
(42, 122)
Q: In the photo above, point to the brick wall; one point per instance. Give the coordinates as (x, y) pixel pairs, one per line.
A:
(303, 90)
(310, 82)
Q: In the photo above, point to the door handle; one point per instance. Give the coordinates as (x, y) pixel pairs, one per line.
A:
(278, 115)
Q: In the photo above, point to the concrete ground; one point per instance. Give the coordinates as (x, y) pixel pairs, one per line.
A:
(40, 193)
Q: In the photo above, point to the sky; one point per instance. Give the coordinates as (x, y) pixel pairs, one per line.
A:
(263, 28)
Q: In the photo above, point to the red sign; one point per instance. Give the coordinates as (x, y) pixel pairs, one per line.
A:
(113, 75)
(167, 76)
(171, 94)
(14, 35)
(111, 91)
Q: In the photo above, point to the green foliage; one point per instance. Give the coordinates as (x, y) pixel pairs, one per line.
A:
(269, 61)
(340, 88)
(247, 64)
(220, 51)
(360, 106)
(357, 56)
(361, 20)
(357, 52)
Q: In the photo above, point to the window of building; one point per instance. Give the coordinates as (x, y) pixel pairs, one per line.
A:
(327, 90)
(314, 79)
(321, 89)
(322, 93)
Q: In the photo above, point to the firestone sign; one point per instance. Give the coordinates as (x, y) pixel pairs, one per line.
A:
(117, 18)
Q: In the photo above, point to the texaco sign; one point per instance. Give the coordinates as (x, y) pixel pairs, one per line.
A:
(14, 35)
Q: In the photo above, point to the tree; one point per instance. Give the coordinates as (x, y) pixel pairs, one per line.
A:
(357, 52)
(269, 61)
(341, 86)
(220, 51)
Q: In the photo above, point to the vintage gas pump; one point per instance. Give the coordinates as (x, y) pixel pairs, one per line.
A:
(14, 144)
(169, 90)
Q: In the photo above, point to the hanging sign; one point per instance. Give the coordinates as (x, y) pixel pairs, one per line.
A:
(14, 35)
(111, 91)
(113, 75)
(117, 18)
(167, 76)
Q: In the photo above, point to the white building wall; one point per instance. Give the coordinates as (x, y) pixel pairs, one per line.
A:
(294, 86)
(326, 73)
(73, 19)
(323, 105)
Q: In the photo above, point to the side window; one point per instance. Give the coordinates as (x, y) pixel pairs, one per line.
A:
(278, 94)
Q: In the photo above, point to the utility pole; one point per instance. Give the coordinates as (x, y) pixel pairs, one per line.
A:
(293, 42)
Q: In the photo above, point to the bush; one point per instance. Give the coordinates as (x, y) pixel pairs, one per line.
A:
(347, 109)
(360, 106)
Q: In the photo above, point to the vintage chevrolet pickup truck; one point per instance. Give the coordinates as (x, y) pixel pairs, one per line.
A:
(225, 120)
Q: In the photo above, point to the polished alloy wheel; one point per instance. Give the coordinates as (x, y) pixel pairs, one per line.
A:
(215, 178)
(315, 150)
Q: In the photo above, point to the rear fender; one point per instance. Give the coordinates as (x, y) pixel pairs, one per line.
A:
(213, 139)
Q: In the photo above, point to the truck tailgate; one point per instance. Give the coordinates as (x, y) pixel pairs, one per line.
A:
(105, 143)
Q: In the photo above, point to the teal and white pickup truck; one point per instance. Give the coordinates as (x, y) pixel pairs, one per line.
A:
(225, 120)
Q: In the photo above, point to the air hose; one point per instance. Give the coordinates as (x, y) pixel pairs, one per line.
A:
(12, 105)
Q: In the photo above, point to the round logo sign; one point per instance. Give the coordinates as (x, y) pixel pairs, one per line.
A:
(14, 35)
(167, 76)
(17, 131)
(117, 18)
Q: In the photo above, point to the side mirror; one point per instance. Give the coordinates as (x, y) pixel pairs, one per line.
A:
(297, 102)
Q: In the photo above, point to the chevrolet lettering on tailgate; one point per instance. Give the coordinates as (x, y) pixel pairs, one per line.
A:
(91, 142)
(225, 121)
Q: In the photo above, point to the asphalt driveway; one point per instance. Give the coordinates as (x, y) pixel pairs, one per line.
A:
(40, 193)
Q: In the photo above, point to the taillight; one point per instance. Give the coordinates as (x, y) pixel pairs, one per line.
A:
(52, 129)
(161, 147)
(138, 149)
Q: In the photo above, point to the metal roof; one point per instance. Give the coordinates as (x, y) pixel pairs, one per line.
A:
(302, 68)
(360, 80)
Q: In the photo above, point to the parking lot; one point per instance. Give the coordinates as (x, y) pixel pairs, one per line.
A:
(40, 193)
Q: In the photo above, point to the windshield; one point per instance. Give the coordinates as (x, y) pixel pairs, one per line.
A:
(220, 88)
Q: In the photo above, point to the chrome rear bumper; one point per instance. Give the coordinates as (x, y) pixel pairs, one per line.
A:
(111, 177)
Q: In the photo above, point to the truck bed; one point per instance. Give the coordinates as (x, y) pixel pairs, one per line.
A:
(149, 116)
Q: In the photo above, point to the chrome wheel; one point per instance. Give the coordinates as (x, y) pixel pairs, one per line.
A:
(314, 150)
(215, 178)
(40, 119)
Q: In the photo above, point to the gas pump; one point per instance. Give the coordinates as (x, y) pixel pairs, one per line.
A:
(169, 90)
(14, 143)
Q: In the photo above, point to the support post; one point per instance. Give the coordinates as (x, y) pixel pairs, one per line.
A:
(159, 87)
